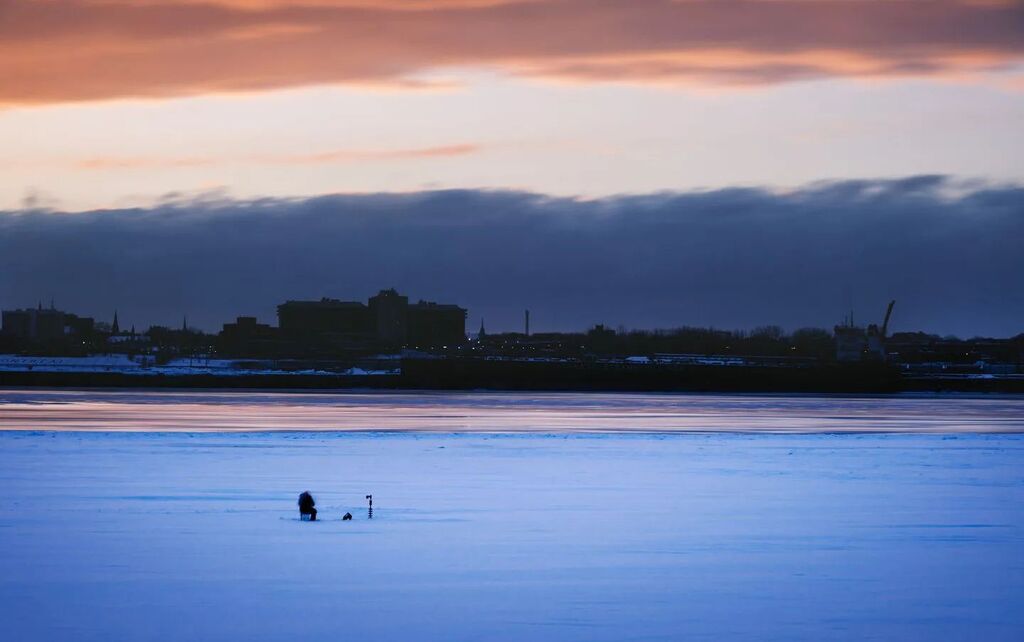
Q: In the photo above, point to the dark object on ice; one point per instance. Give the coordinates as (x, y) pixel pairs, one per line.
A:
(306, 505)
(347, 517)
(369, 514)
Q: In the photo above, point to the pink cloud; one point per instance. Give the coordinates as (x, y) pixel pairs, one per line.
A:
(62, 50)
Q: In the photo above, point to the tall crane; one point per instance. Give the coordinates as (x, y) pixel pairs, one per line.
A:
(888, 313)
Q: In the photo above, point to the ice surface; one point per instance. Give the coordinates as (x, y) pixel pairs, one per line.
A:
(532, 536)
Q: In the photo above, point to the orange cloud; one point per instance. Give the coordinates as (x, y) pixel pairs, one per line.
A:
(62, 50)
(328, 157)
(354, 155)
(139, 163)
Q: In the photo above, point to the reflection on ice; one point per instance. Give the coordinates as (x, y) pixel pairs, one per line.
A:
(191, 411)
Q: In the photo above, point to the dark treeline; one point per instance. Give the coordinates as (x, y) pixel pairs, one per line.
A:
(762, 341)
(769, 340)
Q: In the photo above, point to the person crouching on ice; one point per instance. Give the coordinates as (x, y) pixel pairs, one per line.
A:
(306, 505)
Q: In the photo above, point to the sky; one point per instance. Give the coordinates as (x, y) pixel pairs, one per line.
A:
(114, 106)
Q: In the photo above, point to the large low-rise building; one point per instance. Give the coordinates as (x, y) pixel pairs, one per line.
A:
(246, 336)
(433, 325)
(326, 316)
(388, 321)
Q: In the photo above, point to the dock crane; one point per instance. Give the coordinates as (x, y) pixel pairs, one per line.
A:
(888, 313)
(855, 343)
(875, 348)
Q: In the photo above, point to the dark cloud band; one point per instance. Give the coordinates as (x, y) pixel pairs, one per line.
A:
(947, 251)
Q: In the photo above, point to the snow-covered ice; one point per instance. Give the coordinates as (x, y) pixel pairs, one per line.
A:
(556, 534)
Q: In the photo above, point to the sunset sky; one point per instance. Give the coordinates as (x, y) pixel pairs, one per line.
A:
(111, 103)
(650, 163)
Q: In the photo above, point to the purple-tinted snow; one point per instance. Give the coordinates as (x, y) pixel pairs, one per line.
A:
(527, 536)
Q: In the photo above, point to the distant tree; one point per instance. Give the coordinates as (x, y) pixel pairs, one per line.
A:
(768, 332)
(812, 342)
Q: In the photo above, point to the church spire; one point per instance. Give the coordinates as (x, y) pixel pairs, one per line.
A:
(483, 333)
(115, 328)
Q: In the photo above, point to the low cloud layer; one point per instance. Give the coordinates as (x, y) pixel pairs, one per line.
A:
(949, 252)
(66, 50)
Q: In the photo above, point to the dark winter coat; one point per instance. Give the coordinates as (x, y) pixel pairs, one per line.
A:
(306, 503)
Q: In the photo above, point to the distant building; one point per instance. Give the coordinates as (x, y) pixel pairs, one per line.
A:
(600, 339)
(436, 325)
(326, 316)
(129, 340)
(390, 313)
(44, 324)
(388, 321)
(18, 323)
(80, 326)
(245, 327)
(851, 343)
(247, 337)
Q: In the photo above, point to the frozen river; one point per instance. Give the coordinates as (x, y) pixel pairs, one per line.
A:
(510, 517)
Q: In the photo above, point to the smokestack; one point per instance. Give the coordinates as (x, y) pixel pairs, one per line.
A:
(527, 323)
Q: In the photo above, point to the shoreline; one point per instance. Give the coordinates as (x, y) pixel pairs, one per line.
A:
(458, 375)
